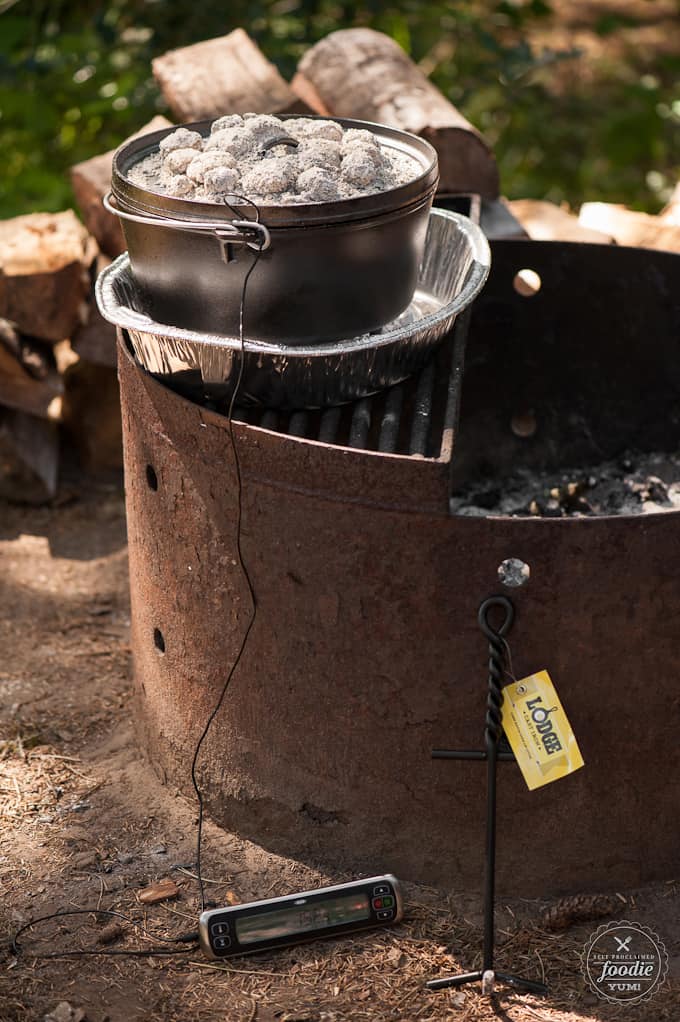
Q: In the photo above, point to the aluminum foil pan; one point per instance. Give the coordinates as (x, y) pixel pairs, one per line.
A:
(205, 366)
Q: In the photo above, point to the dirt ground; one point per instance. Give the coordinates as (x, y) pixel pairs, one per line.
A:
(86, 823)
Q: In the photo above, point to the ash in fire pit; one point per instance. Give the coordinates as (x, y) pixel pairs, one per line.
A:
(634, 484)
(571, 406)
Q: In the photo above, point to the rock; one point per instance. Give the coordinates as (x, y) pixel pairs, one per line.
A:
(161, 890)
(44, 273)
(65, 1013)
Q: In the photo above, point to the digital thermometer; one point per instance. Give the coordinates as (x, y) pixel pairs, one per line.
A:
(326, 912)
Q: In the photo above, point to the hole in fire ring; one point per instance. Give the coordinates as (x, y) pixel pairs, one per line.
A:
(158, 640)
(526, 283)
(151, 477)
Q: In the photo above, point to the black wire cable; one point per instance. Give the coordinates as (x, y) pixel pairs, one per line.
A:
(244, 570)
(192, 936)
(183, 938)
(132, 953)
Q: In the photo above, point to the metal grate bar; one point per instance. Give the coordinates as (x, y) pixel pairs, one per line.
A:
(456, 370)
(328, 427)
(391, 420)
(422, 410)
(270, 419)
(361, 423)
(299, 422)
(417, 417)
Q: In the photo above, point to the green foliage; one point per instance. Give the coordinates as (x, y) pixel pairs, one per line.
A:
(75, 80)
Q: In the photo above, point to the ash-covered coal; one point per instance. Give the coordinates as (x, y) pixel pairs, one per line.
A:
(327, 162)
(634, 484)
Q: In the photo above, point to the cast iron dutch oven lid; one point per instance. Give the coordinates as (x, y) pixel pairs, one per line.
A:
(137, 199)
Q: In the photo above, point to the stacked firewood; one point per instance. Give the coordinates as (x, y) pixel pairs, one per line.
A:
(601, 222)
(58, 382)
(57, 356)
(46, 266)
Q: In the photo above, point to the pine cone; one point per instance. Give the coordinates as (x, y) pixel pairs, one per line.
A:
(579, 908)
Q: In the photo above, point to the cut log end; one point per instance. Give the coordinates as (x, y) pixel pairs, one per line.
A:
(465, 162)
(308, 95)
(222, 76)
(363, 74)
(44, 273)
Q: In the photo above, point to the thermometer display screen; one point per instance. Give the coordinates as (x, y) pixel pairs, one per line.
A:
(300, 918)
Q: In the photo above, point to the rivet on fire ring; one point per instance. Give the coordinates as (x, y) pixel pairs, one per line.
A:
(513, 573)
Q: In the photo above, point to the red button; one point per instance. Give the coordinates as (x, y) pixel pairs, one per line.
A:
(377, 903)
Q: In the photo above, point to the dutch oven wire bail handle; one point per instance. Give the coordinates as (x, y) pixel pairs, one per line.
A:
(250, 233)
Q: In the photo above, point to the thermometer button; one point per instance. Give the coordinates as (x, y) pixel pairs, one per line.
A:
(217, 929)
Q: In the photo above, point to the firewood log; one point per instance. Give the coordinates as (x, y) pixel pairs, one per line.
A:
(670, 214)
(629, 227)
(91, 180)
(228, 75)
(95, 342)
(91, 415)
(29, 380)
(544, 221)
(29, 457)
(44, 279)
(360, 73)
(305, 91)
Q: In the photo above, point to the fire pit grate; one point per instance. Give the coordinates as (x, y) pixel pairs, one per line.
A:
(416, 418)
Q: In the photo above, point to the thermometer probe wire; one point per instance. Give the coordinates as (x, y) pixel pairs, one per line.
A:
(242, 565)
(192, 936)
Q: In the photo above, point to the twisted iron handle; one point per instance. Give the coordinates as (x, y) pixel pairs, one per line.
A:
(496, 662)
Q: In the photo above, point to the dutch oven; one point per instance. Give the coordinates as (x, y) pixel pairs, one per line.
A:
(326, 271)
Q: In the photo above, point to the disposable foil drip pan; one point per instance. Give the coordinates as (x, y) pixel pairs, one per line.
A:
(205, 366)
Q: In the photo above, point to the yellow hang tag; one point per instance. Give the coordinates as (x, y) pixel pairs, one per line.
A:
(538, 730)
